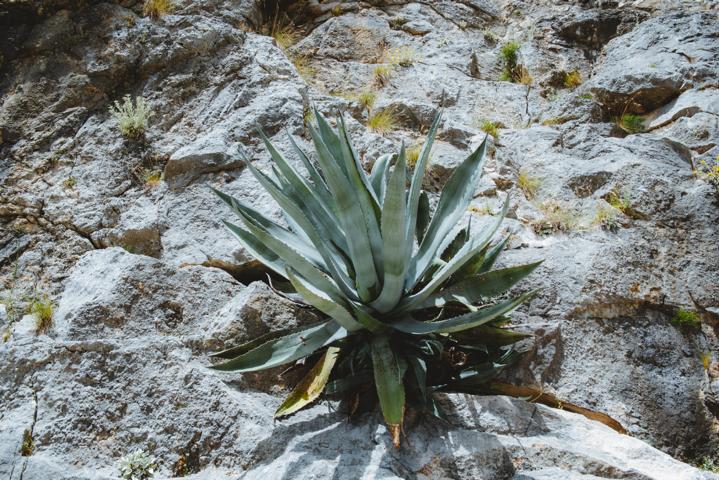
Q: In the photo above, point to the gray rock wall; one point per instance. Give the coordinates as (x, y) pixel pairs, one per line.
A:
(146, 281)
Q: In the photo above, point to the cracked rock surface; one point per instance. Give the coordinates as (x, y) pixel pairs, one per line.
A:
(146, 281)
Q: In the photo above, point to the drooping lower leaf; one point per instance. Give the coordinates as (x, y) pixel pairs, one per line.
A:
(388, 382)
(311, 386)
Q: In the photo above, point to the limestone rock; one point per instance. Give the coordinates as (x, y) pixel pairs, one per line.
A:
(656, 61)
(209, 153)
(125, 365)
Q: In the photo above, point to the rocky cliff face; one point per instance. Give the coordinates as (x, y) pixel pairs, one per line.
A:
(146, 282)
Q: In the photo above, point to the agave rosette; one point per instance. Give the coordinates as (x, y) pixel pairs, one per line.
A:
(408, 294)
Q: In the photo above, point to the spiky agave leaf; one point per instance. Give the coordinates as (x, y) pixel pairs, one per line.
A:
(408, 294)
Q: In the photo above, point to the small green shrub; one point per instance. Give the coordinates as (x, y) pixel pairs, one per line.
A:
(156, 8)
(512, 71)
(686, 318)
(382, 122)
(586, 96)
(509, 54)
(709, 465)
(489, 127)
(137, 465)
(42, 308)
(367, 99)
(631, 123)
(131, 118)
(413, 307)
(382, 74)
(528, 183)
(27, 447)
(572, 79)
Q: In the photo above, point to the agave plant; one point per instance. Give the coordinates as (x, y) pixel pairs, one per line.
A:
(408, 295)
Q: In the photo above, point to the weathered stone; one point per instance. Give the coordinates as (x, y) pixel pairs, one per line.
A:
(656, 61)
(209, 153)
(419, 27)
(687, 104)
(124, 367)
(138, 296)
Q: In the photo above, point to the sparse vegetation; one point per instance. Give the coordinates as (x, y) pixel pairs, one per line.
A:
(156, 8)
(304, 67)
(150, 177)
(137, 465)
(621, 200)
(131, 118)
(586, 96)
(336, 10)
(512, 71)
(556, 121)
(382, 122)
(404, 56)
(282, 30)
(11, 309)
(377, 347)
(706, 359)
(367, 99)
(307, 115)
(382, 74)
(558, 217)
(484, 209)
(285, 36)
(490, 36)
(509, 54)
(181, 468)
(709, 172)
(524, 77)
(395, 23)
(489, 127)
(413, 155)
(631, 123)
(528, 183)
(27, 447)
(42, 308)
(606, 218)
(709, 465)
(69, 182)
(572, 79)
(686, 318)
